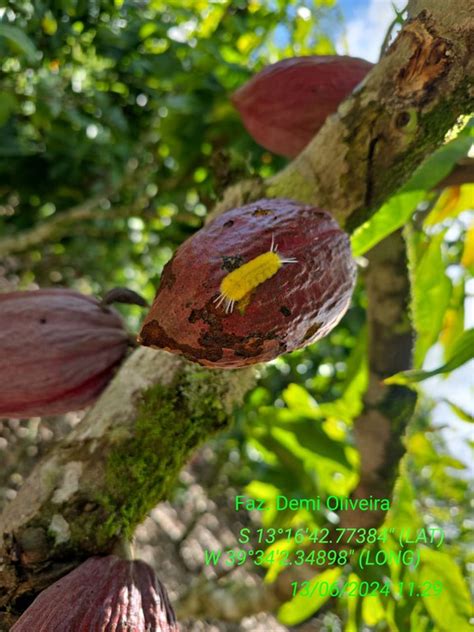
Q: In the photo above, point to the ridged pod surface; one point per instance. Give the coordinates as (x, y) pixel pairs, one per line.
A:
(285, 104)
(104, 594)
(299, 303)
(58, 351)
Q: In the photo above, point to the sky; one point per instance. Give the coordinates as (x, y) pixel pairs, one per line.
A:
(366, 22)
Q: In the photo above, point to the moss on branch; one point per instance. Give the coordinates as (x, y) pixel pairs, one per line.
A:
(171, 422)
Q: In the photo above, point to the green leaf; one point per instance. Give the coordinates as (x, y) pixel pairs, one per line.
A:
(452, 201)
(453, 322)
(302, 607)
(392, 215)
(460, 412)
(399, 208)
(419, 620)
(462, 351)
(275, 568)
(354, 608)
(440, 164)
(311, 436)
(431, 293)
(350, 404)
(451, 609)
(298, 399)
(373, 611)
(450, 461)
(18, 41)
(285, 448)
(147, 29)
(8, 104)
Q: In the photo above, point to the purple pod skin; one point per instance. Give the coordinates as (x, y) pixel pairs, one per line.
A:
(286, 103)
(273, 310)
(58, 351)
(104, 594)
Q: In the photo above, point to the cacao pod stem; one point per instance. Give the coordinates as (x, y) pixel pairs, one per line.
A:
(125, 296)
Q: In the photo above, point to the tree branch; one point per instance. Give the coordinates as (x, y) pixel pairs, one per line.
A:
(50, 228)
(99, 483)
(391, 123)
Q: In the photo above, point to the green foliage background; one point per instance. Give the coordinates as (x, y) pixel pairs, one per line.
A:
(127, 102)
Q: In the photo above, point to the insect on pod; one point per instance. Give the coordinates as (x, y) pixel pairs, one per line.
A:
(226, 302)
(239, 283)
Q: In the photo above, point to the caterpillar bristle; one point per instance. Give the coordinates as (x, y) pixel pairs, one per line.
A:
(220, 299)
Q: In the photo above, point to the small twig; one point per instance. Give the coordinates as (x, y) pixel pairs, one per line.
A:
(397, 20)
(44, 231)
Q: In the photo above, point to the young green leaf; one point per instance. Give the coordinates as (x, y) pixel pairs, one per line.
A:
(399, 208)
(301, 607)
(460, 412)
(451, 609)
(462, 351)
(431, 293)
(18, 41)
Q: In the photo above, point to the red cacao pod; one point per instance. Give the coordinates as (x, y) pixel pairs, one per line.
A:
(104, 594)
(59, 349)
(268, 310)
(285, 104)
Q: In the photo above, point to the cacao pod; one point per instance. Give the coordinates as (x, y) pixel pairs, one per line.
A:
(59, 349)
(285, 104)
(256, 282)
(104, 594)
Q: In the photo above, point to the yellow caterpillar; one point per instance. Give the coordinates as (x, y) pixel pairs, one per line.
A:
(240, 282)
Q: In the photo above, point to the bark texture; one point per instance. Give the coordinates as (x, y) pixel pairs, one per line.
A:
(396, 118)
(393, 120)
(99, 483)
